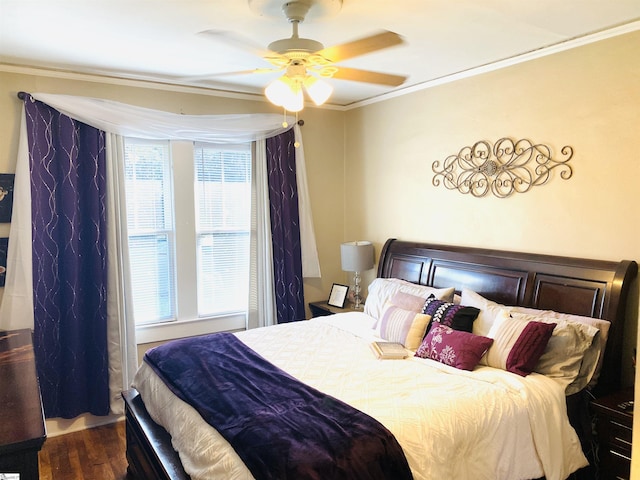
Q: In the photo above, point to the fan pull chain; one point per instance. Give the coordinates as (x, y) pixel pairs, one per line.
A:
(296, 144)
(285, 124)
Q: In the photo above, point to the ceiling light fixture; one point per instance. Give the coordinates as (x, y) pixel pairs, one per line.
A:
(287, 91)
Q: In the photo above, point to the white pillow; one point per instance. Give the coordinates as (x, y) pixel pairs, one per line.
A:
(489, 311)
(381, 290)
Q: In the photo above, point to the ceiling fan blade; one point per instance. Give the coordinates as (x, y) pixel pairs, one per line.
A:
(366, 76)
(246, 72)
(212, 76)
(372, 43)
(238, 41)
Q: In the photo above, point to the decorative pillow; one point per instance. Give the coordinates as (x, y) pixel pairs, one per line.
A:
(458, 317)
(408, 301)
(404, 326)
(381, 290)
(488, 311)
(564, 355)
(459, 349)
(518, 344)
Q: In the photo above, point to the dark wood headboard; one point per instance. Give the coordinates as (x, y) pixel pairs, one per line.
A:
(592, 288)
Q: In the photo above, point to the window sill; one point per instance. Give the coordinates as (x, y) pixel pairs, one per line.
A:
(161, 332)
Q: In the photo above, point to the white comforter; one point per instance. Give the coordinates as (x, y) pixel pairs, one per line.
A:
(451, 424)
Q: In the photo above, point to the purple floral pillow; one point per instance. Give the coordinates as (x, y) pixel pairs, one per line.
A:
(456, 348)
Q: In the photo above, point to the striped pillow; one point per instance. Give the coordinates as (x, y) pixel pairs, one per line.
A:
(404, 326)
(517, 344)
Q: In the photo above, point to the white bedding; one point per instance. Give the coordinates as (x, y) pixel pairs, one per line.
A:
(484, 424)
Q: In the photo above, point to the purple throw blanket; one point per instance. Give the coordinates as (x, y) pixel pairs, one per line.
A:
(280, 427)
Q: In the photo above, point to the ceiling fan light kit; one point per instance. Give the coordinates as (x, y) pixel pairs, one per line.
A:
(286, 91)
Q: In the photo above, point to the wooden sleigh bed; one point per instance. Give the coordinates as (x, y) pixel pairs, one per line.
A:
(590, 288)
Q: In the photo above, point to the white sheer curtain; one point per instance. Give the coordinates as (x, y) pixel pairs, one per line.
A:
(310, 262)
(121, 120)
(121, 332)
(16, 310)
(262, 301)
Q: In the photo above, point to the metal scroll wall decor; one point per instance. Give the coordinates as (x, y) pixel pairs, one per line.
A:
(502, 169)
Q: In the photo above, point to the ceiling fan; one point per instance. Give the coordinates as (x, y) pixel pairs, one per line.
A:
(306, 63)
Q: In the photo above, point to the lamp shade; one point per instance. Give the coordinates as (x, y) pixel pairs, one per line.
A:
(318, 90)
(356, 256)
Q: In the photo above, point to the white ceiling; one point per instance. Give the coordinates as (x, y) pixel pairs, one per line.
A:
(159, 39)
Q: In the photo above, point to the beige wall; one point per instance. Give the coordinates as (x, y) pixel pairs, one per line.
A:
(588, 98)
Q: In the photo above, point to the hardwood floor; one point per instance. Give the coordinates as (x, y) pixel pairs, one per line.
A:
(94, 454)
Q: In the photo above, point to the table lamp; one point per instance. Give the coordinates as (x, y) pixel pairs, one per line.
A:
(356, 257)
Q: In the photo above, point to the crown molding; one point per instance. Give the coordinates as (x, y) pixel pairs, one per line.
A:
(507, 62)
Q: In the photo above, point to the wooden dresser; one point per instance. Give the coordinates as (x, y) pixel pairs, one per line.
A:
(22, 427)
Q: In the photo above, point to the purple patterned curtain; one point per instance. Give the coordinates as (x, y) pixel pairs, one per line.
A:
(285, 227)
(67, 162)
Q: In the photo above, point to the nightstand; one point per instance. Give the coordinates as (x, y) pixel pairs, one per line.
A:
(614, 428)
(321, 309)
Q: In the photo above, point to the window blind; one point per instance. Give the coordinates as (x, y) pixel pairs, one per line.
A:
(223, 215)
(150, 230)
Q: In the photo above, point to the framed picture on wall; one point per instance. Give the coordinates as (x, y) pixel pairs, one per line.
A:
(338, 295)
(6, 196)
(4, 244)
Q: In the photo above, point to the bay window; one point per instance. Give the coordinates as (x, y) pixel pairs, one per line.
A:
(188, 218)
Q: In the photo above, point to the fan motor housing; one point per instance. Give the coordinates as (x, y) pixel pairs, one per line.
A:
(288, 45)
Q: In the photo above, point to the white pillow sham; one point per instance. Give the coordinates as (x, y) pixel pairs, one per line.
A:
(489, 311)
(381, 290)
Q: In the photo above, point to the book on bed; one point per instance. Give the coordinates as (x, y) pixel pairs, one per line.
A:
(387, 350)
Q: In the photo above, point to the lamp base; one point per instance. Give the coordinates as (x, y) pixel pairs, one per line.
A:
(357, 299)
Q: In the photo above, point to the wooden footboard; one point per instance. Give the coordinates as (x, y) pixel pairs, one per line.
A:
(149, 451)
